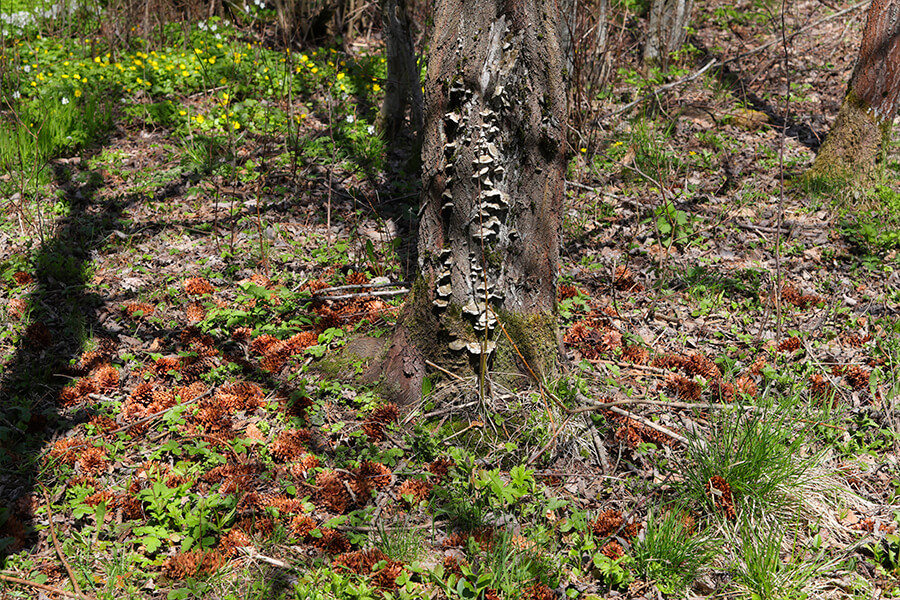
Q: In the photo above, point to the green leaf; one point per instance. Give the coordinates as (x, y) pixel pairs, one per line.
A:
(336, 521)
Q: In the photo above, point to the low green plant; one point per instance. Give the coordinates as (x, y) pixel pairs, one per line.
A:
(886, 552)
(500, 565)
(670, 553)
(401, 543)
(612, 573)
(675, 226)
(653, 155)
(755, 453)
(177, 515)
(763, 570)
(276, 312)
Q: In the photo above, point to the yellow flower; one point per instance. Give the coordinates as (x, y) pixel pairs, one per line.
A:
(376, 87)
(182, 112)
(200, 118)
(236, 124)
(340, 76)
(211, 60)
(315, 70)
(78, 93)
(223, 81)
(96, 59)
(303, 58)
(584, 150)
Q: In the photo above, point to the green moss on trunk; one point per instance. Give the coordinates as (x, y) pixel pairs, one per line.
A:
(850, 151)
(536, 338)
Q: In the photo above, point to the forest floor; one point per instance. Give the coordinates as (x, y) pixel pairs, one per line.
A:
(199, 270)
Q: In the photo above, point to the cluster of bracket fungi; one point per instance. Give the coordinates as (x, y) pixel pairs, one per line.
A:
(472, 129)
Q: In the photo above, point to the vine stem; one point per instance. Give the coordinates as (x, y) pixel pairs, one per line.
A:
(59, 552)
(41, 586)
(779, 316)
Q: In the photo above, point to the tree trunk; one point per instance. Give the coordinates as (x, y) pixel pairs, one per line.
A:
(568, 11)
(667, 30)
(583, 31)
(494, 173)
(402, 87)
(863, 124)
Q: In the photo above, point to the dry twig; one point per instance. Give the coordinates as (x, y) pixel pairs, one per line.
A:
(42, 586)
(59, 552)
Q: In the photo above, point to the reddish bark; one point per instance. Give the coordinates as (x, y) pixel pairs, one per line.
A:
(876, 78)
(862, 126)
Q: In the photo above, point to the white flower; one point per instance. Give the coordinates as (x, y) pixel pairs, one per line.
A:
(371, 129)
(27, 68)
(350, 118)
(16, 95)
(213, 27)
(64, 100)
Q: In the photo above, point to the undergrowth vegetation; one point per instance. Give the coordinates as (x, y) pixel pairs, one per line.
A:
(205, 247)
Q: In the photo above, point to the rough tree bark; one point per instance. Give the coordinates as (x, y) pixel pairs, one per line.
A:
(667, 29)
(402, 87)
(493, 181)
(863, 123)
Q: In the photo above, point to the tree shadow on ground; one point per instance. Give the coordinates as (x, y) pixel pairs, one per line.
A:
(60, 318)
(737, 84)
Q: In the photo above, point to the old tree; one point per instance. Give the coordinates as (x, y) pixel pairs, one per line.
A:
(493, 181)
(863, 124)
